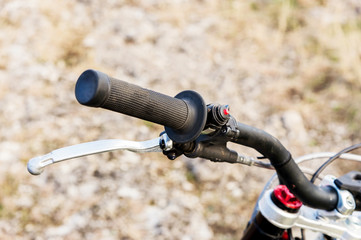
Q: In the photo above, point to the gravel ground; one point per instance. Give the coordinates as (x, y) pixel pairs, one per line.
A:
(228, 51)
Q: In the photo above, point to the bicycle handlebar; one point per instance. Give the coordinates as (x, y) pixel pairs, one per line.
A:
(288, 172)
(183, 116)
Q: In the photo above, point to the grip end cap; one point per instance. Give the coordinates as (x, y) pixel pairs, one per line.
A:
(92, 88)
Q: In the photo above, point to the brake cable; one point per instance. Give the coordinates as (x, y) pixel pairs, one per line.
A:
(332, 159)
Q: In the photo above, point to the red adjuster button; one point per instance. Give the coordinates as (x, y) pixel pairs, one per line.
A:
(282, 195)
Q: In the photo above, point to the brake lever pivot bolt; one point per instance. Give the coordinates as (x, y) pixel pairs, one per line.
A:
(165, 143)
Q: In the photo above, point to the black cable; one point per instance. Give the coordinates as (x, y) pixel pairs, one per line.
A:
(290, 235)
(326, 164)
(328, 237)
(303, 234)
(333, 158)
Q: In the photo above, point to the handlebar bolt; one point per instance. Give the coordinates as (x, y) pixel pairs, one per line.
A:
(350, 201)
(346, 203)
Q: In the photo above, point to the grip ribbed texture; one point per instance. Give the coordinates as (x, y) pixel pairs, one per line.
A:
(146, 104)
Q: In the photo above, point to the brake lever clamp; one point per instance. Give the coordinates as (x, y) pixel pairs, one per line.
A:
(212, 143)
(213, 146)
(171, 149)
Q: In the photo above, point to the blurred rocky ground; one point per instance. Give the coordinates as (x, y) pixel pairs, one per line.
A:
(290, 67)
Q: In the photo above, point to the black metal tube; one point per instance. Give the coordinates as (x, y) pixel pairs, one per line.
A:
(287, 170)
(261, 228)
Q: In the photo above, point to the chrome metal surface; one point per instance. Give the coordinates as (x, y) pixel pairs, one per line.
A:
(37, 164)
(346, 202)
(242, 159)
(274, 214)
(165, 142)
(332, 223)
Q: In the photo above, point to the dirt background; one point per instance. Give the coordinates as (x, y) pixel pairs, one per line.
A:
(289, 67)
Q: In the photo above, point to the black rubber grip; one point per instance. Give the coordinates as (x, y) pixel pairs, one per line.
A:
(96, 89)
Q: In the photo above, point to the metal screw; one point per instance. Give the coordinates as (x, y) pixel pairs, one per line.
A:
(171, 156)
(162, 144)
(350, 201)
(346, 204)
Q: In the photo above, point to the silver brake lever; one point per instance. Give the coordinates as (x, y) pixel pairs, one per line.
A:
(36, 165)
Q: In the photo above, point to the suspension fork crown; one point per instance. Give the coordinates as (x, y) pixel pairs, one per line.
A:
(280, 207)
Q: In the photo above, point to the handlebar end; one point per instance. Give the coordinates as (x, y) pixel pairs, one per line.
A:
(92, 88)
